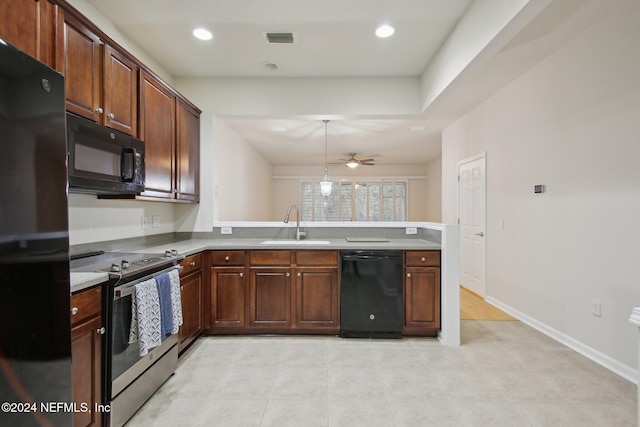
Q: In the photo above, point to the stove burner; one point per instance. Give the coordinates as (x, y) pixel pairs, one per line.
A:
(146, 261)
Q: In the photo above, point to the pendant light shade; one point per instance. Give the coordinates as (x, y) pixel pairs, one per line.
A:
(326, 183)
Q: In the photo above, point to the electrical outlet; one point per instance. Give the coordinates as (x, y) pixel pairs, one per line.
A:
(155, 221)
(412, 230)
(143, 222)
(225, 230)
(596, 308)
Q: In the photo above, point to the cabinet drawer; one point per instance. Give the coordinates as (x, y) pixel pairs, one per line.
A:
(271, 258)
(227, 258)
(328, 258)
(86, 304)
(191, 263)
(422, 258)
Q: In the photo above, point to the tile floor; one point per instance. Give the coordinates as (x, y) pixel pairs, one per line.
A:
(504, 374)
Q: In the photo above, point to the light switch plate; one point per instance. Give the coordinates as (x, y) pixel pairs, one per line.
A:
(155, 221)
(226, 230)
(412, 230)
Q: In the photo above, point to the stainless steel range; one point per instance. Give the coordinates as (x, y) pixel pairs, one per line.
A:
(130, 379)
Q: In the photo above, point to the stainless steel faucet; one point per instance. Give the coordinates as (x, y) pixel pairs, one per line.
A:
(299, 234)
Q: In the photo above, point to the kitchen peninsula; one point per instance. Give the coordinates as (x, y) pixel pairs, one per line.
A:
(240, 238)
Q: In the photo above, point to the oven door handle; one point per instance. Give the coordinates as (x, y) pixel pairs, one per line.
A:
(130, 288)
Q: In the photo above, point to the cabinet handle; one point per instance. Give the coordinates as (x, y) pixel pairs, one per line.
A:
(241, 274)
(101, 331)
(192, 263)
(181, 288)
(299, 274)
(408, 274)
(226, 258)
(74, 311)
(423, 259)
(288, 274)
(111, 116)
(99, 110)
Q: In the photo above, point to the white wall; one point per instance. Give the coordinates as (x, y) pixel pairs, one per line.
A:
(242, 178)
(93, 220)
(571, 123)
(433, 191)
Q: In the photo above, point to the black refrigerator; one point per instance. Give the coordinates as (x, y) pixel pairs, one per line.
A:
(35, 336)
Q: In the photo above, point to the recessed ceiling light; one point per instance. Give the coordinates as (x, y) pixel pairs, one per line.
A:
(202, 34)
(271, 65)
(384, 31)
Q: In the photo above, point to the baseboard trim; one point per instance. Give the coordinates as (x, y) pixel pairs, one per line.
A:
(602, 359)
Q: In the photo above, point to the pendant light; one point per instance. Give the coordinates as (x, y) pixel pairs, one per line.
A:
(325, 184)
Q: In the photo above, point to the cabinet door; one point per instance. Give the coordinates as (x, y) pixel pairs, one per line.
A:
(157, 112)
(421, 300)
(270, 297)
(317, 300)
(82, 67)
(30, 25)
(120, 92)
(191, 292)
(188, 153)
(86, 363)
(227, 297)
(86, 354)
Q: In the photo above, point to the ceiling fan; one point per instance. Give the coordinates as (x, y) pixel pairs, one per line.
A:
(353, 162)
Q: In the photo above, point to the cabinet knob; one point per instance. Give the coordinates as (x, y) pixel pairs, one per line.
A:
(299, 274)
(423, 259)
(288, 274)
(111, 116)
(99, 110)
(226, 258)
(101, 331)
(74, 311)
(408, 274)
(192, 263)
(181, 288)
(241, 274)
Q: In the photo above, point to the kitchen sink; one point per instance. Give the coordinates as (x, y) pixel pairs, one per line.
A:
(295, 242)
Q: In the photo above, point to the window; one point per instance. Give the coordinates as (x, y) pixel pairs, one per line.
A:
(360, 200)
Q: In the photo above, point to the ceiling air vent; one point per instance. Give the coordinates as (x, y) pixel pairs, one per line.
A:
(279, 37)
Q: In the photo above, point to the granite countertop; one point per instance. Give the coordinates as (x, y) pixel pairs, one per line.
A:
(83, 280)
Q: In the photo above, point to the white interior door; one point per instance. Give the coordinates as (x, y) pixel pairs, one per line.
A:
(471, 215)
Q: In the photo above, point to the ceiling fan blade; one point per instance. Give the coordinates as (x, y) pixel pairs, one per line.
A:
(367, 160)
(367, 164)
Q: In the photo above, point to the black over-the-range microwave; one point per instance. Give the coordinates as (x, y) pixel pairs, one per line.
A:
(103, 160)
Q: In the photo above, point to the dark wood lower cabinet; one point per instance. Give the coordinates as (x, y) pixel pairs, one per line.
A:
(86, 355)
(191, 289)
(421, 293)
(270, 297)
(227, 297)
(317, 299)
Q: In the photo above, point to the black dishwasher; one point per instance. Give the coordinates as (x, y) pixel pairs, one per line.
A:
(371, 304)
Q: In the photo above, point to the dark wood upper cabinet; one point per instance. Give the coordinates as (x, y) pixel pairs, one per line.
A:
(82, 68)
(30, 25)
(188, 153)
(120, 91)
(101, 82)
(106, 84)
(157, 113)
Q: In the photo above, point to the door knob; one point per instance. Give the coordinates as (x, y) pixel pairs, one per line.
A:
(481, 234)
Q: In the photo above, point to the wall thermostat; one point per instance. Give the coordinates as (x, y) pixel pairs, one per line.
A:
(539, 189)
